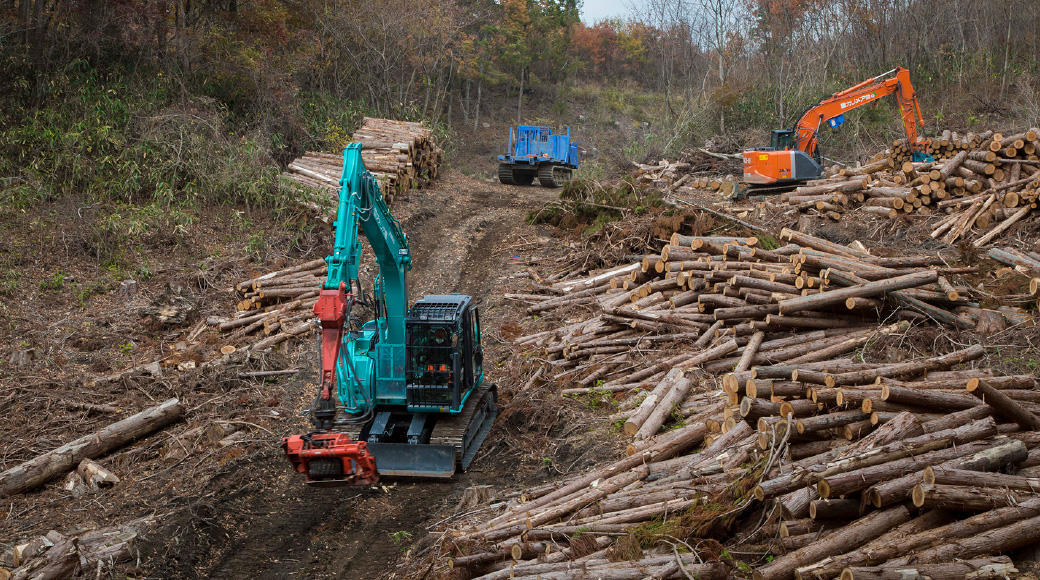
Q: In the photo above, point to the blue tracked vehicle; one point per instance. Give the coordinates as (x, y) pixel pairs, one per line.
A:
(537, 152)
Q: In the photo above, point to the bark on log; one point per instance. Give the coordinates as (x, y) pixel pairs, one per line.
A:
(52, 464)
(1023, 532)
(909, 368)
(649, 404)
(861, 479)
(953, 476)
(962, 498)
(834, 509)
(832, 566)
(848, 538)
(994, 567)
(1003, 405)
(680, 387)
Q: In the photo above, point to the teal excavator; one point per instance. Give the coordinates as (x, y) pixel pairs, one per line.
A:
(402, 394)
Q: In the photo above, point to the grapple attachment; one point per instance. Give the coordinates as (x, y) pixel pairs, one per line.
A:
(331, 459)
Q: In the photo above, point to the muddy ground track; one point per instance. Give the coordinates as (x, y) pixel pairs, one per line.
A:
(459, 234)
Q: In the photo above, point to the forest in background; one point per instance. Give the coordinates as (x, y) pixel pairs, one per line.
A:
(177, 102)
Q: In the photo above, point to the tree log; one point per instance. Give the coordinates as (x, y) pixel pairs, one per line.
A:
(995, 568)
(52, 464)
(848, 538)
(1003, 405)
(59, 562)
(867, 289)
(680, 387)
(952, 476)
(832, 566)
(1022, 532)
(962, 498)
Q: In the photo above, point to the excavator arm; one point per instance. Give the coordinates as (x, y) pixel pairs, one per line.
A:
(361, 209)
(795, 156)
(832, 109)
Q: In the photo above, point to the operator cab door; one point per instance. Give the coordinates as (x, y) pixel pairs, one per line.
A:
(472, 352)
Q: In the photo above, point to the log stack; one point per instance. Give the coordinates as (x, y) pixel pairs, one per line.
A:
(300, 282)
(275, 307)
(978, 186)
(760, 431)
(402, 155)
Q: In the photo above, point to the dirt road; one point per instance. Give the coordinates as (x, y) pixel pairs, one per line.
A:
(258, 521)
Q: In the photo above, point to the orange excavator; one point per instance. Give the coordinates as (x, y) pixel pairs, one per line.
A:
(794, 154)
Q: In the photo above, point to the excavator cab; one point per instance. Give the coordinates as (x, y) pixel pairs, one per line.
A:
(448, 409)
(443, 356)
(781, 139)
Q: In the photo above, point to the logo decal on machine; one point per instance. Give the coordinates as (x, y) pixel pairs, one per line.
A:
(858, 100)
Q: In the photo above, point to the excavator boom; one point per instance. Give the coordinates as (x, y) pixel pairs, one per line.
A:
(794, 155)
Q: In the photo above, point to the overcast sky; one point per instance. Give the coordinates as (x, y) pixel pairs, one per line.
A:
(593, 11)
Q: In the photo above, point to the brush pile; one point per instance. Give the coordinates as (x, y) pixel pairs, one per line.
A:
(400, 154)
(691, 171)
(981, 185)
(751, 426)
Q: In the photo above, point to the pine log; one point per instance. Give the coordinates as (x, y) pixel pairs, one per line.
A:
(860, 479)
(962, 497)
(957, 419)
(1003, 405)
(909, 368)
(937, 400)
(680, 387)
(1022, 532)
(832, 566)
(649, 404)
(834, 509)
(952, 476)
(1000, 228)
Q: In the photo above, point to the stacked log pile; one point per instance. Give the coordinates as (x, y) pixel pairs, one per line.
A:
(761, 432)
(276, 307)
(979, 185)
(400, 154)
